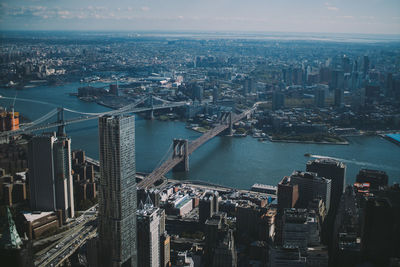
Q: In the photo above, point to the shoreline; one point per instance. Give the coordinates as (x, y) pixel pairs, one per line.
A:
(307, 142)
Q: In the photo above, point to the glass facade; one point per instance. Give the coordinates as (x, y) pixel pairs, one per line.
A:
(117, 191)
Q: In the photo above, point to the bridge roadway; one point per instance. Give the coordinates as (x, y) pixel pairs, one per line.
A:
(31, 128)
(172, 162)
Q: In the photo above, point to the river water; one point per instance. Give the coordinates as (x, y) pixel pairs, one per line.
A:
(236, 162)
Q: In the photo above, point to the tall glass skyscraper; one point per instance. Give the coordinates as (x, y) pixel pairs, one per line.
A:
(117, 192)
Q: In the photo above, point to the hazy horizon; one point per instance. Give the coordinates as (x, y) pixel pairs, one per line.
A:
(288, 16)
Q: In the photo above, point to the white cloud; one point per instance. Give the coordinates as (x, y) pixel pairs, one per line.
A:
(332, 8)
(329, 6)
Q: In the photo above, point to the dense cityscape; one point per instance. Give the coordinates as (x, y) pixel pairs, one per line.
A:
(89, 176)
(64, 208)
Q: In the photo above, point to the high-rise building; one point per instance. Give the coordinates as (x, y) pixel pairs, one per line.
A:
(117, 191)
(288, 194)
(379, 238)
(319, 97)
(285, 256)
(325, 75)
(165, 250)
(339, 98)
(219, 247)
(225, 253)
(148, 234)
(366, 65)
(198, 92)
(50, 174)
(215, 94)
(337, 81)
(278, 100)
(376, 178)
(208, 205)
(300, 229)
(311, 186)
(114, 89)
(346, 64)
(248, 85)
(333, 170)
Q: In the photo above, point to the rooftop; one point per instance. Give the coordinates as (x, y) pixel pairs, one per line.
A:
(326, 161)
(394, 137)
(266, 186)
(33, 216)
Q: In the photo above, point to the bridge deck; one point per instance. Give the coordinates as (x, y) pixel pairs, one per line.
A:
(172, 162)
(32, 127)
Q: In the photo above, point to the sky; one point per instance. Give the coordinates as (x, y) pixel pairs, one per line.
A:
(334, 16)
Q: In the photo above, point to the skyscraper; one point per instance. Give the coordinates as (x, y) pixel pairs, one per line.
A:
(288, 194)
(376, 178)
(148, 225)
(366, 65)
(50, 174)
(330, 169)
(339, 98)
(311, 186)
(278, 100)
(117, 192)
(319, 97)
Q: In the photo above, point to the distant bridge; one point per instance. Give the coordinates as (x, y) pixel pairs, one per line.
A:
(39, 125)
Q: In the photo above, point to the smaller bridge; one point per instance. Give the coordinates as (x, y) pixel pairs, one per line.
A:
(61, 122)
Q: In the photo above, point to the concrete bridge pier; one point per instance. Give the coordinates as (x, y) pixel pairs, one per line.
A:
(150, 114)
(181, 149)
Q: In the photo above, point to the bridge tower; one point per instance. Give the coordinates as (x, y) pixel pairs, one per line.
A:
(226, 118)
(181, 149)
(60, 119)
(151, 104)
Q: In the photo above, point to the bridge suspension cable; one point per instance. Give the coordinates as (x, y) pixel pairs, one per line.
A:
(43, 118)
(120, 110)
(28, 100)
(165, 157)
(86, 113)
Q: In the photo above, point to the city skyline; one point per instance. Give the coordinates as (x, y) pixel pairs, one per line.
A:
(339, 16)
(195, 148)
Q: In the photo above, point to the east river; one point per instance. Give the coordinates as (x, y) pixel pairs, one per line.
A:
(235, 162)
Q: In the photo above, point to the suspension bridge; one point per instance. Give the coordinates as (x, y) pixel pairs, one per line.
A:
(39, 124)
(177, 156)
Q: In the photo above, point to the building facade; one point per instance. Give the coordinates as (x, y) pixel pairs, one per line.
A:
(333, 170)
(148, 231)
(50, 174)
(117, 191)
(311, 186)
